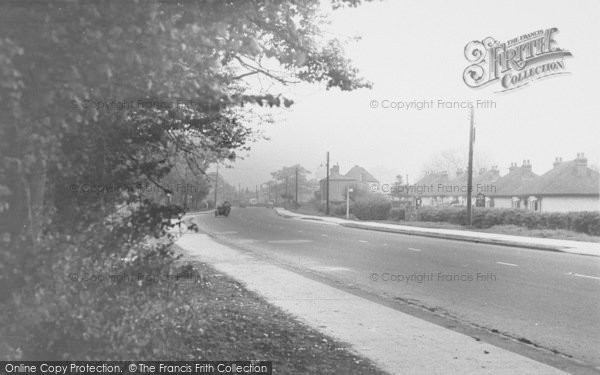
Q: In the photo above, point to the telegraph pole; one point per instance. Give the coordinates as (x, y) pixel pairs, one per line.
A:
(216, 184)
(296, 187)
(327, 187)
(470, 169)
(287, 198)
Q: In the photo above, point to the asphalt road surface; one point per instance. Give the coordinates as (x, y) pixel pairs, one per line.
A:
(547, 298)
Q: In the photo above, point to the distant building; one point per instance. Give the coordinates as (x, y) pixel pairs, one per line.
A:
(504, 194)
(431, 188)
(357, 177)
(568, 186)
(484, 182)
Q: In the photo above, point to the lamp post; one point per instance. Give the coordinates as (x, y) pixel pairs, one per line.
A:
(348, 202)
(296, 205)
(327, 188)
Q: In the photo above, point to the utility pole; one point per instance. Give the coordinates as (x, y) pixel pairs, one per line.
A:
(327, 188)
(470, 169)
(216, 184)
(287, 199)
(296, 187)
(407, 188)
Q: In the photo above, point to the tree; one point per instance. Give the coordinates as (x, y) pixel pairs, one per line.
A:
(453, 160)
(111, 93)
(285, 181)
(99, 100)
(397, 190)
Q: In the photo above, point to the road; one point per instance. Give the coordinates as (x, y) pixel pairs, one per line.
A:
(547, 298)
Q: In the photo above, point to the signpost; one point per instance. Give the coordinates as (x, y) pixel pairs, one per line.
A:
(480, 200)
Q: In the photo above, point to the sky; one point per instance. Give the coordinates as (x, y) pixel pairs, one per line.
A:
(414, 51)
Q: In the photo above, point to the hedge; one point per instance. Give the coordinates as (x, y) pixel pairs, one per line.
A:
(372, 207)
(583, 222)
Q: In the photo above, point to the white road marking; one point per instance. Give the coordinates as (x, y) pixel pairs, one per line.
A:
(330, 269)
(226, 232)
(413, 249)
(508, 264)
(323, 235)
(289, 241)
(580, 275)
(363, 241)
(299, 231)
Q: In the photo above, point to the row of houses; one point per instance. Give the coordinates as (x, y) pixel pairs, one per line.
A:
(569, 186)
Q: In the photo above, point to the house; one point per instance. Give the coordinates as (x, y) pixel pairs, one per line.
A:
(568, 186)
(503, 195)
(357, 177)
(483, 183)
(431, 188)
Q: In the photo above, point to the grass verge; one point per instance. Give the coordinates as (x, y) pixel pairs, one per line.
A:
(513, 230)
(240, 325)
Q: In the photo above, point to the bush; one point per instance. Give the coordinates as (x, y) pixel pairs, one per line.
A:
(583, 222)
(397, 213)
(336, 209)
(372, 207)
(339, 209)
(101, 307)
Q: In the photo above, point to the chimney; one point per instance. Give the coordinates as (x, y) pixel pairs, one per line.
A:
(495, 171)
(557, 162)
(581, 165)
(335, 169)
(512, 167)
(459, 172)
(527, 165)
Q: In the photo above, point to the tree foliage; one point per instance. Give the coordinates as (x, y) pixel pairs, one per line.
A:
(114, 94)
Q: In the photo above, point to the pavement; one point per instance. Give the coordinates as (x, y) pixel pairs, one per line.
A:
(396, 342)
(567, 246)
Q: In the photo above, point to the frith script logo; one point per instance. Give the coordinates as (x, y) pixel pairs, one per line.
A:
(516, 62)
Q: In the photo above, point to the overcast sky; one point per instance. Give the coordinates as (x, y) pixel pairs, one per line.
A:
(414, 50)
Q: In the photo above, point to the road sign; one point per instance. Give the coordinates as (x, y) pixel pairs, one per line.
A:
(480, 200)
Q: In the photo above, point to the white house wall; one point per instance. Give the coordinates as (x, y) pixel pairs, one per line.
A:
(566, 204)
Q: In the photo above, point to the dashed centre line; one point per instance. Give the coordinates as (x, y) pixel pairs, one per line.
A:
(508, 264)
(363, 241)
(289, 241)
(413, 249)
(580, 275)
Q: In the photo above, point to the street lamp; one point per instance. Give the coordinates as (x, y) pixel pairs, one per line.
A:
(348, 202)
